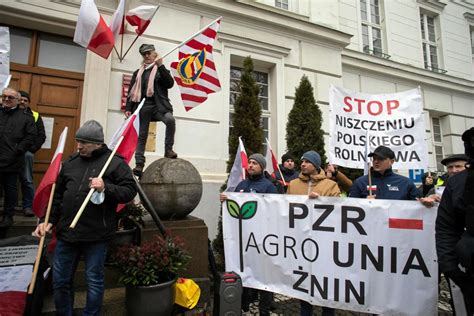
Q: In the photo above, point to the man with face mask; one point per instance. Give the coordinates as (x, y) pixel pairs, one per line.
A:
(455, 227)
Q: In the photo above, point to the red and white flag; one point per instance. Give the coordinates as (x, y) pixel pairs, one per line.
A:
(272, 163)
(129, 130)
(43, 191)
(118, 19)
(237, 173)
(91, 30)
(141, 17)
(195, 71)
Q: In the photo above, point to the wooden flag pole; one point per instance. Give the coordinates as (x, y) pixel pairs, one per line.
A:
(370, 179)
(91, 191)
(186, 40)
(41, 243)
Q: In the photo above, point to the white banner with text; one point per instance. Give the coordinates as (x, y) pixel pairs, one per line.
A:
(374, 256)
(393, 120)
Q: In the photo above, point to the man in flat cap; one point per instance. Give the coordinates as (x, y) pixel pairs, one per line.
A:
(151, 81)
(454, 164)
(97, 225)
(455, 227)
(385, 183)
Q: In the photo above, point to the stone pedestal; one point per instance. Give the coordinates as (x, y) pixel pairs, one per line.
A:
(193, 231)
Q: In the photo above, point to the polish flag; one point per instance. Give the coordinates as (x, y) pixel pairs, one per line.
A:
(40, 201)
(141, 17)
(272, 163)
(118, 19)
(92, 32)
(237, 173)
(129, 130)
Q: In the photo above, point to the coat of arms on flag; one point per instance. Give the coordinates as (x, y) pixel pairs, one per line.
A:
(195, 72)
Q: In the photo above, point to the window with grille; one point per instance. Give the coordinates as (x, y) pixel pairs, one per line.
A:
(437, 142)
(430, 42)
(282, 4)
(262, 81)
(371, 27)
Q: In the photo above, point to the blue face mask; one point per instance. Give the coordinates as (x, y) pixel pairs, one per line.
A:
(98, 197)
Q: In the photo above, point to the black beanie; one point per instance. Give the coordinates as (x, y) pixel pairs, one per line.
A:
(25, 94)
(287, 156)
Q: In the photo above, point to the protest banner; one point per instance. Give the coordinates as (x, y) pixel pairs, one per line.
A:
(373, 256)
(17, 256)
(393, 120)
(4, 57)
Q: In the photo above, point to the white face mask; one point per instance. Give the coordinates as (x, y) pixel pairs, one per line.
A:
(98, 197)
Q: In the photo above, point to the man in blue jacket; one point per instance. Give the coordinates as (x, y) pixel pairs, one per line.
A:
(385, 183)
(255, 183)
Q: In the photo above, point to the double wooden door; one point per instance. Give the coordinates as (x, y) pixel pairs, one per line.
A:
(57, 97)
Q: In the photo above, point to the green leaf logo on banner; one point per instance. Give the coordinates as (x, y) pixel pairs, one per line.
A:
(233, 208)
(247, 211)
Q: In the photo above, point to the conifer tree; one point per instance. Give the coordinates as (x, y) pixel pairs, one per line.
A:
(246, 123)
(303, 129)
(246, 120)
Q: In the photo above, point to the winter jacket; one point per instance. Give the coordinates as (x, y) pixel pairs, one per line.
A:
(388, 186)
(256, 184)
(343, 181)
(40, 132)
(288, 174)
(17, 135)
(451, 222)
(98, 222)
(319, 183)
(162, 82)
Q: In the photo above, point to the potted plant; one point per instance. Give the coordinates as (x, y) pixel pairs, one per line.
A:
(149, 273)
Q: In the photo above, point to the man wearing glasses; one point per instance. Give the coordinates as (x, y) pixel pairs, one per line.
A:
(17, 135)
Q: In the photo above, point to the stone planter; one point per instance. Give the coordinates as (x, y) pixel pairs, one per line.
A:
(156, 300)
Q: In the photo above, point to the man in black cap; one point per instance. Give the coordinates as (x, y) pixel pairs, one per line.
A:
(385, 183)
(97, 225)
(455, 227)
(26, 177)
(151, 81)
(17, 134)
(255, 183)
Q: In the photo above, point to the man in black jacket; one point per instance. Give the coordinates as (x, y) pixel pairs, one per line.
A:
(97, 225)
(455, 227)
(17, 133)
(26, 177)
(152, 84)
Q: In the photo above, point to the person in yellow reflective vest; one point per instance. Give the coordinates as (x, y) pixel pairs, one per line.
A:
(26, 177)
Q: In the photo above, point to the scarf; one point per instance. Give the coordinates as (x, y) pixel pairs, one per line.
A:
(136, 91)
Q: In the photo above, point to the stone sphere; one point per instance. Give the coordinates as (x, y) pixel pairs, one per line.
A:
(173, 186)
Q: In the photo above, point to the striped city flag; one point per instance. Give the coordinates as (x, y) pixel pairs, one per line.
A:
(195, 71)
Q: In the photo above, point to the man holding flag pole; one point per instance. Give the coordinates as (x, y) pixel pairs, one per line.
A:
(81, 173)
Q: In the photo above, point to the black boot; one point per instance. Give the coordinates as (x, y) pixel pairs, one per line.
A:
(138, 170)
(7, 221)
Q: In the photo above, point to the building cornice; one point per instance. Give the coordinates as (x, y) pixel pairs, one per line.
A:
(437, 5)
(469, 17)
(262, 17)
(391, 69)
